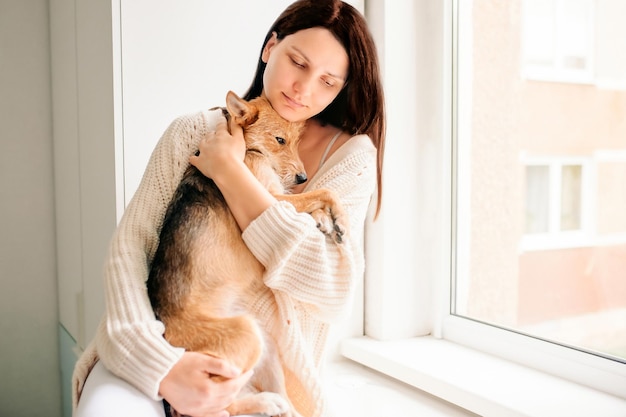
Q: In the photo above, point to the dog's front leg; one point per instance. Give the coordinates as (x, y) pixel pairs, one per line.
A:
(324, 206)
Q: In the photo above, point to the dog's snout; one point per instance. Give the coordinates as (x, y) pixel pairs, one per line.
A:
(300, 178)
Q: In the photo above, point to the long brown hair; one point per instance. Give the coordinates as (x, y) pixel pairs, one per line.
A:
(359, 108)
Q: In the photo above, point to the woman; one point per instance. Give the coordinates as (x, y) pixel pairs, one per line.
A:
(318, 63)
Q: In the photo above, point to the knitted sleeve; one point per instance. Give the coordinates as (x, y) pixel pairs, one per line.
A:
(131, 344)
(304, 265)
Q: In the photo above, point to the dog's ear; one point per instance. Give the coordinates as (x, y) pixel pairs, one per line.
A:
(242, 112)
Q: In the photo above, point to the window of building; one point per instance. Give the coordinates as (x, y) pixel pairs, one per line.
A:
(557, 38)
(557, 196)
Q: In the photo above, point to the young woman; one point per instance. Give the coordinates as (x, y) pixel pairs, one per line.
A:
(318, 63)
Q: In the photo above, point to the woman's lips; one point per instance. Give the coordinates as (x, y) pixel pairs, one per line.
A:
(292, 103)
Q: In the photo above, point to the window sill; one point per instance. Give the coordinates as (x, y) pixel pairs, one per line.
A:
(356, 390)
(478, 382)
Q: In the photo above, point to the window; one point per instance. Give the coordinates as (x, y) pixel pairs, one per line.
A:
(556, 195)
(540, 238)
(455, 206)
(558, 39)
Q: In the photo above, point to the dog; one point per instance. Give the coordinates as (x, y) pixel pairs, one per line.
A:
(203, 276)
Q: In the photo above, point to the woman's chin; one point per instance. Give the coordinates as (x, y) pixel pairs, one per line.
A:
(291, 115)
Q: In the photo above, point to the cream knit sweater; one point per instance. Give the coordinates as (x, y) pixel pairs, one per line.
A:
(309, 277)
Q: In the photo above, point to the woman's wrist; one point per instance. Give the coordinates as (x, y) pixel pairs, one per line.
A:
(229, 173)
(246, 197)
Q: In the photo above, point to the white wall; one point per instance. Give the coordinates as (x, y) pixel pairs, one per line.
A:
(29, 365)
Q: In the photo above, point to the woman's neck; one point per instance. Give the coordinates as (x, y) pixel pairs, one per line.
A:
(313, 143)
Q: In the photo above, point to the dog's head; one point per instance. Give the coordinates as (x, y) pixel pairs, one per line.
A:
(270, 139)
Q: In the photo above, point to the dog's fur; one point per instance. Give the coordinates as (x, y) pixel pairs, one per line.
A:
(204, 278)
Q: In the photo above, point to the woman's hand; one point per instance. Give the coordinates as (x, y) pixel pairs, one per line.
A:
(221, 158)
(190, 391)
(220, 149)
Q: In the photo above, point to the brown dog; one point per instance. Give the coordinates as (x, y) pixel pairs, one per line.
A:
(203, 276)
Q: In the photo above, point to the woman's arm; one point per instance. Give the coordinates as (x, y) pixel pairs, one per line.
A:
(131, 345)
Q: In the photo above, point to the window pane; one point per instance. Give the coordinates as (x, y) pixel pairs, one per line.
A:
(537, 199)
(571, 193)
(575, 34)
(541, 195)
(540, 41)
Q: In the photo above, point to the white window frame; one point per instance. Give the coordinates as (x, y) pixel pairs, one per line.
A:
(409, 332)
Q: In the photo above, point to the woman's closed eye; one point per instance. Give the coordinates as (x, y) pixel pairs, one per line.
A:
(298, 63)
(329, 82)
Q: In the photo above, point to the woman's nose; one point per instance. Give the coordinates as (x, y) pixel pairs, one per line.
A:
(304, 85)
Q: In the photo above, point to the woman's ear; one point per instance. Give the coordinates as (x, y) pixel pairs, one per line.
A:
(272, 41)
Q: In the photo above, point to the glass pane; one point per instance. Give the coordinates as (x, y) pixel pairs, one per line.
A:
(540, 41)
(540, 239)
(574, 32)
(571, 197)
(537, 199)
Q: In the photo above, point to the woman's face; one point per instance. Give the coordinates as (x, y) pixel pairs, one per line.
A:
(305, 71)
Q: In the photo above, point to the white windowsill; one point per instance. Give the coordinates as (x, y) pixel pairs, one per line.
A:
(354, 390)
(478, 382)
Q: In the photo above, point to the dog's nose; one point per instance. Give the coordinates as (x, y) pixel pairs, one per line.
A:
(300, 178)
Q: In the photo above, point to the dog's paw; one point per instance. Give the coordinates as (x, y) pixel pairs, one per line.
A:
(332, 222)
(272, 404)
(266, 403)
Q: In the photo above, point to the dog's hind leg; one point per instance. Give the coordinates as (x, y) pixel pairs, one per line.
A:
(268, 385)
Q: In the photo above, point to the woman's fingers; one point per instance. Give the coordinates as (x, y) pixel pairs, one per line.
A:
(219, 147)
(221, 367)
(189, 389)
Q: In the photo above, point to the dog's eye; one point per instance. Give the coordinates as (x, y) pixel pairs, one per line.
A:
(280, 140)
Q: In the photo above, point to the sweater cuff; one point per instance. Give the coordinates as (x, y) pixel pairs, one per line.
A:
(278, 226)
